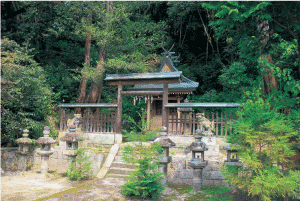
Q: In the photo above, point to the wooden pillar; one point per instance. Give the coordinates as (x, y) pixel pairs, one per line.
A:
(119, 110)
(178, 112)
(165, 102)
(148, 113)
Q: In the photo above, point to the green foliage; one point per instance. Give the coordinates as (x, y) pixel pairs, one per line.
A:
(263, 134)
(81, 168)
(26, 97)
(138, 130)
(146, 181)
(234, 76)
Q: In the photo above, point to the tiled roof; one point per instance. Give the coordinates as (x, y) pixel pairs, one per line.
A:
(88, 105)
(172, 86)
(139, 76)
(185, 83)
(193, 105)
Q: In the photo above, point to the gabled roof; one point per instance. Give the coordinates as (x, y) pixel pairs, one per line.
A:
(168, 66)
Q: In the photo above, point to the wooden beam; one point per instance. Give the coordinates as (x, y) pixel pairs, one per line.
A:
(119, 110)
(134, 82)
(143, 93)
(165, 102)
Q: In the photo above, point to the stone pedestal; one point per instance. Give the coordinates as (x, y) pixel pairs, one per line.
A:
(197, 173)
(22, 161)
(166, 143)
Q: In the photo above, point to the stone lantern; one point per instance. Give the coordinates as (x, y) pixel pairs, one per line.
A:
(197, 163)
(45, 149)
(23, 150)
(232, 155)
(166, 144)
(71, 144)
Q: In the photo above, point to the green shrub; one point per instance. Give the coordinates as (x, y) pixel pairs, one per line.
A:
(146, 182)
(80, 168)
(26, 97)
(263, 135)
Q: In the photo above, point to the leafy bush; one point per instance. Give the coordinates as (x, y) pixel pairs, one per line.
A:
(146, 182)
(80, 168)
(139, 131)
(263, 134)
(26, 97)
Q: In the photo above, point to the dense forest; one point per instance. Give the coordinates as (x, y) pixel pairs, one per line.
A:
(59, 52)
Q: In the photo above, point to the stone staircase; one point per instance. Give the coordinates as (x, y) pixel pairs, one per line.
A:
(119, 168)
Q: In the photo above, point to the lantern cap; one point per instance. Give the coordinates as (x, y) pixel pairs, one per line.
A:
(24, 139)
(46, 139)
(70, 137)
(166, 142)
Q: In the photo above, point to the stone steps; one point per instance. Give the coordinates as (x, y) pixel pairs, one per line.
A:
(110, 175)
(119, 164)
(119, 168)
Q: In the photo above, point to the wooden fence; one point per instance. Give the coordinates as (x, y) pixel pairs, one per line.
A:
(97, 121)
(187, 123)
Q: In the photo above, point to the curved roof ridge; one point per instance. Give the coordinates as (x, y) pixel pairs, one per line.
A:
(187, 79)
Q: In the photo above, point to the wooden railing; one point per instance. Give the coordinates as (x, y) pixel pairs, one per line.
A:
(97, 121)
(187, 123)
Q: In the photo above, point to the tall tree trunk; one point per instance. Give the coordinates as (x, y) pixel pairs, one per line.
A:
(95, 90)
(269, 82)
(87, 61)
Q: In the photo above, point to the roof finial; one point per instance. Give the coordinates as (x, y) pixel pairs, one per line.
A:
(168, 53)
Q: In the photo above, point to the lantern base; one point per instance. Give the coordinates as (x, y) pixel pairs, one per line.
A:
(45, 153)
(197, 164)
(70, 152)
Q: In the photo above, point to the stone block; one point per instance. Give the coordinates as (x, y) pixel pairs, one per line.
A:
(118, 139)
(206, 182)
(103, 138)
(62, 143)
(209, 141)
(215, 175)
(186, 174)
(217, 182)
(54, 155)
(212, 150)
(182, 141)
(205, 174)
(183, 181)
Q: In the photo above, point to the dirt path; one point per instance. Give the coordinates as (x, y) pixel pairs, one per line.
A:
(32, 186)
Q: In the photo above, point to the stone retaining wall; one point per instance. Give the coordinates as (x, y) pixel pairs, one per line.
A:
(58, 162)
(178, 170)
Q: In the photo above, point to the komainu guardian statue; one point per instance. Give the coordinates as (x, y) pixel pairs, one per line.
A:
(206, 123)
